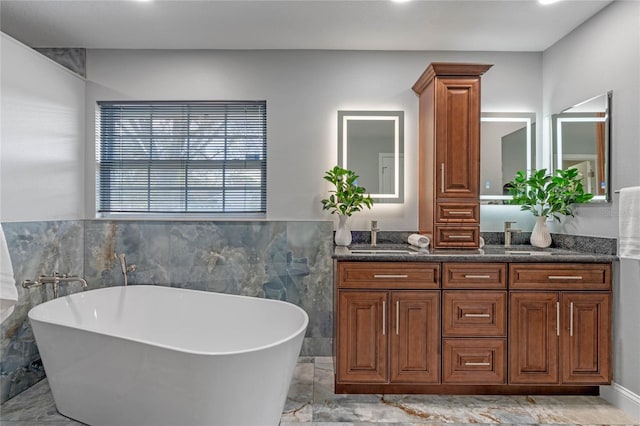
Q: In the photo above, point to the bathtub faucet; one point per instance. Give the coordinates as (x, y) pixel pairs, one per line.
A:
(54, 279)
(125, 269)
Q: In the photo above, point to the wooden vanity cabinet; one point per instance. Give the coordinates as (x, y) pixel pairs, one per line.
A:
(388, 323)
(564, 336)
(449, 154)
(472, 327)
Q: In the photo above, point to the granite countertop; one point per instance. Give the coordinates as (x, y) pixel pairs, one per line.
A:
(489, 253)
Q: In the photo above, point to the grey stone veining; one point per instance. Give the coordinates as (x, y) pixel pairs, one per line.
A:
(70, 58)
(35, 248)
(599, 245)
(579, 243)
(282, 260)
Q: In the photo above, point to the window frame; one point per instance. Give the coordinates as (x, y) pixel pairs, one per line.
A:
(179, 163)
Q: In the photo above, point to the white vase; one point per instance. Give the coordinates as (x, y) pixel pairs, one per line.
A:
(343, 233)
(540, 236)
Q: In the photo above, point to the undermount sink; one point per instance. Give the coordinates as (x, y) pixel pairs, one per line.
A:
(528, 253)
(381, 251)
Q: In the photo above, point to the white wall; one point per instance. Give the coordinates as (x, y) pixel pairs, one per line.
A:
(41, 137)
(304, 91)
(604, 54)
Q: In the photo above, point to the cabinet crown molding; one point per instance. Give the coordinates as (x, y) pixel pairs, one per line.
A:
(448, 69)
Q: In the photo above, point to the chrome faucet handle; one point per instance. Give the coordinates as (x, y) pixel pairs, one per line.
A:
(508, 230)
(507, 224)
(31, 283)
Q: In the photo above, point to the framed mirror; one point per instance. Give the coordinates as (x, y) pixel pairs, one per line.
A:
(371, 143)
(507, 144)
(581, 138)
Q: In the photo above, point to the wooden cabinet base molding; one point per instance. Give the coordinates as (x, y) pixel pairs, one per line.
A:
(348, 388)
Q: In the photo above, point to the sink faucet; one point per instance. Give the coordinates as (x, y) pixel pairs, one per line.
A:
(374, 233)
(508, 230)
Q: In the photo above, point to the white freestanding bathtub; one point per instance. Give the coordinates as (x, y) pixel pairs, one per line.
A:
(149, 355)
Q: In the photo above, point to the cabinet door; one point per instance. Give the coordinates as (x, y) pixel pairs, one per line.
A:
(415, 336)
(362, 336)
(533, 337)
(586, 338)
(458, 137)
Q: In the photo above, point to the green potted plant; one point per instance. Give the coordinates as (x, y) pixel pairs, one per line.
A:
(547, 195)
(346, 199)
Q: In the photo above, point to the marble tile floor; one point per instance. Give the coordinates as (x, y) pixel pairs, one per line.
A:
(311, 401)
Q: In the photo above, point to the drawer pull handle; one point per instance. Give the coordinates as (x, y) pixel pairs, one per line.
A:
(459, 213)
(478, 315)
(390, 276)
(571, 319)
(384, 317)
(442, 177)
(478, 277)
(397, 317)
(565, 277)
(460, 237)
(477, 363)
(557, 318)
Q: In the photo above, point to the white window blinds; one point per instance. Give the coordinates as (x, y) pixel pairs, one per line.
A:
(181, 157)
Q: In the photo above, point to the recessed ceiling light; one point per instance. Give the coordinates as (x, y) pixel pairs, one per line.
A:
(400, 1)
(548, 1)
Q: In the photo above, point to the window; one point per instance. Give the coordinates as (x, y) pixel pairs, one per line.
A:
(181, 157)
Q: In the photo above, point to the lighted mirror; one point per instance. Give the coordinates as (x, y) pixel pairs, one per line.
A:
(371, 143)
(581, 139)
(507, 144)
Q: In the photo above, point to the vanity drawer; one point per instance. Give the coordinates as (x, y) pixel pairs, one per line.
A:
(474, 275)
(457, 236)
(388, 275)
(474, 313)
(474, 361)
(458, 213)
(560, 276)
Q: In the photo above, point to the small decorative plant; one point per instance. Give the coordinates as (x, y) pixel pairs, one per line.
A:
(347, 197)
(548, 195)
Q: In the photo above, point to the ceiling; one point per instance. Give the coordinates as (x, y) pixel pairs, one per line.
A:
(505, 25)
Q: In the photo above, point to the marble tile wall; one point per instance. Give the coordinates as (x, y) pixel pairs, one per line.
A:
(283, 260)
(280, 260)
(36, 248)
